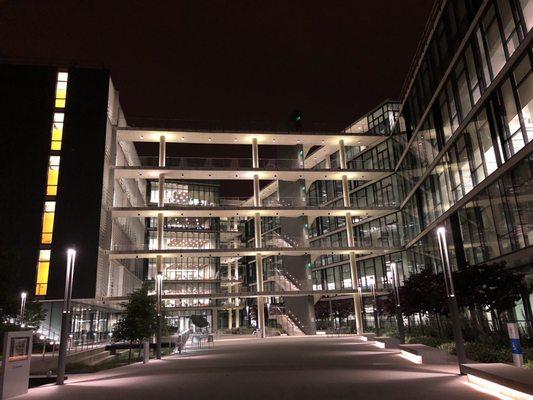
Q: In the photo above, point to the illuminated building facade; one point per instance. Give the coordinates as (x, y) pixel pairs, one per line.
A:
(332, 209)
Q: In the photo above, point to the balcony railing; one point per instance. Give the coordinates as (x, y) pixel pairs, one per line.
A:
(233, 163)
(186, 201)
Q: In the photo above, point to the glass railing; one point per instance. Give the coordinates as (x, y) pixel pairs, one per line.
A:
(186, 201)
(236, 163)
(277, 243)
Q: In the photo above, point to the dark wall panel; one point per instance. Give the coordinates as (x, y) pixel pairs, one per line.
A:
(80, 182)
(26, 113)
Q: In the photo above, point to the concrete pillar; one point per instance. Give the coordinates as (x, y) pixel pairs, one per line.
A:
(236, 299)
(351, 243)
(259, 274)
(214, 320)
(230, 310)
(162, 151)
(257, 230)
(159, 259)
(257, 190)
(255, 154)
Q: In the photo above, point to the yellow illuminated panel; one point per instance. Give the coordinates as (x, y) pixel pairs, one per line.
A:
(51, 185)
(42, 272)
(40, 289)
(57, 131)
(53, 176)
(43, 265)
(48, 222)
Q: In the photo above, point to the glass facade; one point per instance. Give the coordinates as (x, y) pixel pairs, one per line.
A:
(460, 151)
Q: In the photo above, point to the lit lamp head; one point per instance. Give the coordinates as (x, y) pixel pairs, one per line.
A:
(23, 295)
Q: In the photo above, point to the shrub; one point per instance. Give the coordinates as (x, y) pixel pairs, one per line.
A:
(480, 352)
(448, 347)
(486, 353)
(432, 341)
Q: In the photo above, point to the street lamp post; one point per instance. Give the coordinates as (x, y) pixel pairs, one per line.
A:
(65, 318)
(452, 300)
(23, 296)
(376, 317)
(399, 317)
(159, 289)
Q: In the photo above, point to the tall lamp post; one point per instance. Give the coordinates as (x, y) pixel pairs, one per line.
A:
(65, 318)
(159, 290)
(23, 296)
(399, 317)
(376, 316)
(452, 300)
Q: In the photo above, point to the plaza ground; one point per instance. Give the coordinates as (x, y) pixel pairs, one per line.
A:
(280, 368)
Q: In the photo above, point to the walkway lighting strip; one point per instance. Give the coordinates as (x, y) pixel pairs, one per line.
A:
(52, 180)
(495, 389)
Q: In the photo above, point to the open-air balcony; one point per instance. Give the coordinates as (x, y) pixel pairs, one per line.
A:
(240, 169)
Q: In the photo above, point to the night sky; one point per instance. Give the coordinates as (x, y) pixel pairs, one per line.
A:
(227, 63)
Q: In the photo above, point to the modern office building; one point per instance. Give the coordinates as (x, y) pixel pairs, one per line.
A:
(333, 208)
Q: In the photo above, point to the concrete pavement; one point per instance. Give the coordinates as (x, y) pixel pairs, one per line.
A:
(275, 368)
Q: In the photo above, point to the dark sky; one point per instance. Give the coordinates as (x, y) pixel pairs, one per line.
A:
(228, 63)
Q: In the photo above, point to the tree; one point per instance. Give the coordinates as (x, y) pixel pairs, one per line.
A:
(342, 309)
(10, 290)
(199, 321)
(34, 314)
(492, 288)
(139, 321)
(322, 310)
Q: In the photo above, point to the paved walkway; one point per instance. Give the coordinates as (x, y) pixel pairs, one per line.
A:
(278, 368)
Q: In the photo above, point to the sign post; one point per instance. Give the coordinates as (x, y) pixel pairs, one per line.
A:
(516, 348)
(15, 371)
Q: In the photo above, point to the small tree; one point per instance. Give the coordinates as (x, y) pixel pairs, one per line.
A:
(34, 314)
(139, 321)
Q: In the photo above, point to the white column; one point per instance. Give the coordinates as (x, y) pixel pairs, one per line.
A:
(257, 230)
(259, 275)
(230, 310)
(255, 154)
(236, 276)
(351, 243)
(162, 151)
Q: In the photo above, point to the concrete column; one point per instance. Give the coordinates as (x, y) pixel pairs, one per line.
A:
(257, 229)
(342, 155)
(159, 259)
(351, 243)
(230, 310)
(162, 151)
(255, 154)
(214, 320)
(236, 299)
(257, 192)
(259, 275)
(161, 197)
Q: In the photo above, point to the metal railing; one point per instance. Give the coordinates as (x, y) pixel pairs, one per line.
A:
(212, 163)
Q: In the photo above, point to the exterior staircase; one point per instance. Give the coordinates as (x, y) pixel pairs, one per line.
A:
(286, 321)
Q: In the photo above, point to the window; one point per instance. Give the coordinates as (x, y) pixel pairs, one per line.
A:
(42, 272)
(48, 222)
(53, 175)
(513, 139)
(61, 89)
(57, 131)
(494, 42)
(524, 83)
